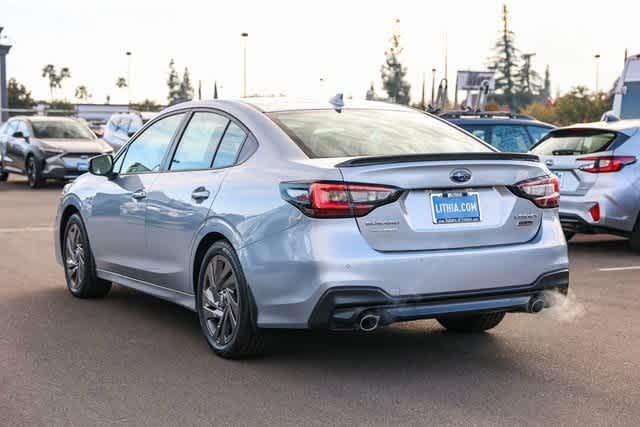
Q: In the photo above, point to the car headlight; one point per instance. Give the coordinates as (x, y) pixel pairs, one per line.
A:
(49, 152)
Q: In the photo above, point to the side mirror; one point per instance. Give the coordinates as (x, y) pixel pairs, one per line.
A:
(101, 165)
(19, 134)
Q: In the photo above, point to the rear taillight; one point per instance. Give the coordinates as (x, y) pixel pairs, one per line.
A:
(544, 192)
(326, 199)
(604, 164)
(595, 212)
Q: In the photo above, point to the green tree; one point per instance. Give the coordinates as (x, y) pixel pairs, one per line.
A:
(82, 93)
(19, 96)
(505, 63)
(577, 106)
(393, 73)
(186, 88)
(173, 82)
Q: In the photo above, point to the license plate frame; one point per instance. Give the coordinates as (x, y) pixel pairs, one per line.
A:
(439, 216)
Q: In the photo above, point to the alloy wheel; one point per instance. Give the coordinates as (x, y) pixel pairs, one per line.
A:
(74, 257)
(220, 300)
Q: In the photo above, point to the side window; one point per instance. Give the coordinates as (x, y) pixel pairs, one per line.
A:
(113, 124)
(123, 125)
(511, 139)
(145, 154)
(22, 127)
(229, 146)
(12, 127)
(199, 142)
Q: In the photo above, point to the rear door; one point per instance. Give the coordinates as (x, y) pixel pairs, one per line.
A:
(448, 204)
(562, 150)
(180, 199)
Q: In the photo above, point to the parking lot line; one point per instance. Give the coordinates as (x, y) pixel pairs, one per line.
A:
(24, 229)
(633, 267)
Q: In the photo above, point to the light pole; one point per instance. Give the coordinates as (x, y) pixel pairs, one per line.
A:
(128, 53)
(433, 86)
(597, 58)
(244, 64)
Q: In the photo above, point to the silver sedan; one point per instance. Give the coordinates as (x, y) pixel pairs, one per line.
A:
(261, 214)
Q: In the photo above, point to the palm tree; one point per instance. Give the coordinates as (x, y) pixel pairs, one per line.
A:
(82, 93)
(49, 71)
(121, 83)
(55, 78)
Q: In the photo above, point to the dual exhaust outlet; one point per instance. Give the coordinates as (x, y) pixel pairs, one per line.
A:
(369, 322)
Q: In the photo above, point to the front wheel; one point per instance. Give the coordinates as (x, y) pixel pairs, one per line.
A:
(79, 267)
(224, 304)
(4, 176)
(34, 176)
(471, 323)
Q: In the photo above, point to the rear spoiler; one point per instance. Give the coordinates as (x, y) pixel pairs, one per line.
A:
(408, 158)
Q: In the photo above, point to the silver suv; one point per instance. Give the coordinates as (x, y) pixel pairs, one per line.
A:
(599, 177)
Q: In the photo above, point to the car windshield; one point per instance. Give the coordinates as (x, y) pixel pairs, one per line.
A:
(574, 143)
(61, 130)
(328, 133)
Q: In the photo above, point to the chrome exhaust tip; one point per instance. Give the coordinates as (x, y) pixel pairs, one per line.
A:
(536, 305)
(369, 322)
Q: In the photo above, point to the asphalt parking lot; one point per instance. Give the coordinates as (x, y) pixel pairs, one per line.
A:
(132, 359)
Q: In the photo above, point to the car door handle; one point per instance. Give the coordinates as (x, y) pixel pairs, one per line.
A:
(140, 194)
(200, 193)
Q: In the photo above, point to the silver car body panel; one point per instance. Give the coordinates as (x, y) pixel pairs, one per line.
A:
(617, 193)
(289, 259)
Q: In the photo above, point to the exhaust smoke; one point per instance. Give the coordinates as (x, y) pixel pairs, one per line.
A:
(563, 308)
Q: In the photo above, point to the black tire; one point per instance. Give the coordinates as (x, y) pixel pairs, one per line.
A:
(569, 234)
(4, 176)
(245, 339)
(34, 176)
(84, 283)
(472, 323)
(634, 238)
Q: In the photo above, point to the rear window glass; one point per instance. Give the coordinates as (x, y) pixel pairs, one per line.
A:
(574, 143)
(327, 133)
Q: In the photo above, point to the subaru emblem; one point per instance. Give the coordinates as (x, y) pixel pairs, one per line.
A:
(460, 175)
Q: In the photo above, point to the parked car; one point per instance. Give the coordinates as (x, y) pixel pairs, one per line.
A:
(599, 177)
(514, 133)
(47, 148)
(122, 126)
(626, 98)
(264, 213)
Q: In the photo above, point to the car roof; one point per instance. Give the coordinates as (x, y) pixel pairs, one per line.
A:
(269, 105)
(624, 126)
(498, 121)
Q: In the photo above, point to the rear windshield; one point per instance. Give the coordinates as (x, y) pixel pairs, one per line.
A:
(328, 133)
(62, 130)
(574, 143)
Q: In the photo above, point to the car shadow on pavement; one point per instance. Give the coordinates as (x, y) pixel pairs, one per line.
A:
(22, 185)
(601, 244)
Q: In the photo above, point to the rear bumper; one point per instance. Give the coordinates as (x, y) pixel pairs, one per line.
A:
(289, 272)
(342, 308)
(574, 223)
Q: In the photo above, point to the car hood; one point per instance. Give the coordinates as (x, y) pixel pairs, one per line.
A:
(76, 145)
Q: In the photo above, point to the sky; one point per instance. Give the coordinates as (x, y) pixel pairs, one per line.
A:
(303, 48)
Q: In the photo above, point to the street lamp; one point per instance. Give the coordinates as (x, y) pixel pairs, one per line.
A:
(597, 58)
(128, 53)
(433, 85)
(244, 64)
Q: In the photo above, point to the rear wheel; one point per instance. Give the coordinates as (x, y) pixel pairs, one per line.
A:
(33, 173)
(79, 267)
(4, 176)
(225, 306)
(472, 323)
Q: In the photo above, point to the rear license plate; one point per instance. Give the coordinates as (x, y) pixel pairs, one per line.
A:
(448, 208)
(83, 165)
